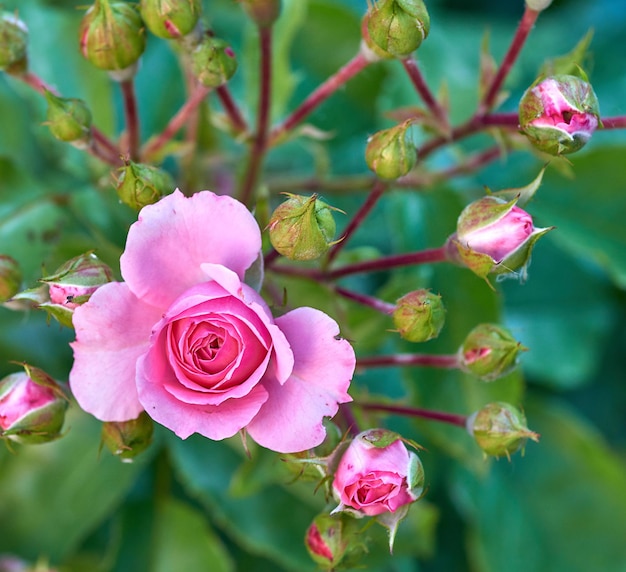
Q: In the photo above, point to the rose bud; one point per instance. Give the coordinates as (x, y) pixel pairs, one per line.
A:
(538, 5)
(489, 352)
(494, 236)
(112, 35)
(73, 284)
(500, 429)
(390, 153)
(331, 540)
(263, 12)
(170, 18)
(69, 120)
(10, 278)
(32, 407)
(302, 228)
(559, 114)
(13, 39)
(398, 27)
(213, 62)
(127, 439)
(140, 184)
(419, 316)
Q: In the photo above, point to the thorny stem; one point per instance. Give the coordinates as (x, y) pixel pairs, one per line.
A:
(444, 417)
(371, 302)
(521, 34)
(231, 109)
(132, 117)
(423, 360)
(414, 73)
(319, 95)
(176, 122)
(259, 145)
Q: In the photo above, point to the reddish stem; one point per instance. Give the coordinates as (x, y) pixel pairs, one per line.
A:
(318, 96)
(519, 39)
(177, 121)
(132, 117)
(444, 417)
(614, 122)
(414, 73)
(371, 302)
(231, 109)
(424, 360)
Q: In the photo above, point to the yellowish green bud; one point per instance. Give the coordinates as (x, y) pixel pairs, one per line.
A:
(419, 316)
(112, 35)
(69, 120)
(127, 439)
(139, 185)
(500, 429)
(302, 228)
(213, 62)
(263, 12)
(10, 278)
(170, 18)
(13, 39)
(390, 153)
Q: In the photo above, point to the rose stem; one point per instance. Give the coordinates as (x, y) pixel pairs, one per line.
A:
(231, 109)
(371, 302)
(521, 34)
(349, 420)
(270, 258)
(372, 198)
(259, 145)
(414, 73)
(177, 121)
(132, 117)
(444, 417)
(319, 95)
(450, 361)
(614, 122)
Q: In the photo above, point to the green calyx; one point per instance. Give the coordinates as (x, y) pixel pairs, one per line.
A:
(170, 19)
(419, 316)
(139, 184)
(68, 119)
(127, 439)
(390, 153)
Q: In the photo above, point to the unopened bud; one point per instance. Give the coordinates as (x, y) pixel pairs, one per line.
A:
(69, 120)
(263, 12)
(139, 185)
(170, 18)
(559, 114)
(329, 538)
(419, 316)
(500, 429)
(494, 236)
(112, 36)
(390, 153)
(538, 5)
(302, 228)
(32, 407)
(73, 284)
(10, 278)
(213, 62)
(489, 352)
(13, 39)
(398, 27)
(127, 439)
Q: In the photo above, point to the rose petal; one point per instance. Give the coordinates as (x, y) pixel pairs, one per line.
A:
(112, 331)
(291, 419)
(174, 237)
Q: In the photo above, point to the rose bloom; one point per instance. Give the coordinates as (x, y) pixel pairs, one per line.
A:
(186, 340)
(371, 479)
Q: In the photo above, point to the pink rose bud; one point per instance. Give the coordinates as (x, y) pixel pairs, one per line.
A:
(500, 429)
(32, 407)
(330, 539)
(489, 352)
(494, 237)
(10, 278)
(559, 114)
(73, 284)
(127, 439)
(419, 316)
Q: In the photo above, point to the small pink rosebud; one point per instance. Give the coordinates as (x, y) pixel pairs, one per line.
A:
(494, 236)
(32, 407)
(559, 114)
(10, 278)
(327, 540)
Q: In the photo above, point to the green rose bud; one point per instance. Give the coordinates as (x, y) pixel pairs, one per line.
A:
(10, 278)
(489, 352)
(32, 407)
(69, 120)
(112, 36)
(419, 316)
(500, 429)
(140, 185)
(170, 18)
(13, 38)
(263, 12)
(127, 439)
(302, 228)
(398, 27)
(390, 153)
(559, 114)
(213, 62)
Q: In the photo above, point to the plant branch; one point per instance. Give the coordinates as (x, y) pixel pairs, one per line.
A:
(444, 417)
(231, 109)
(369, 301)
(414, 73)
(131, 116)
(614, 122)
(423, 360)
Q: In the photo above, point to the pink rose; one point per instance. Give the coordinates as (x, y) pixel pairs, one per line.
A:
(377, 474)
(186, 340)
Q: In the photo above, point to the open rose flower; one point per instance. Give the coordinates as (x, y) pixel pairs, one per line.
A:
(186, 340)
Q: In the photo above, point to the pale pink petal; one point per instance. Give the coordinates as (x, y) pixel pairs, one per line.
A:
(171, 240)
(291, 420)
(112, 331)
